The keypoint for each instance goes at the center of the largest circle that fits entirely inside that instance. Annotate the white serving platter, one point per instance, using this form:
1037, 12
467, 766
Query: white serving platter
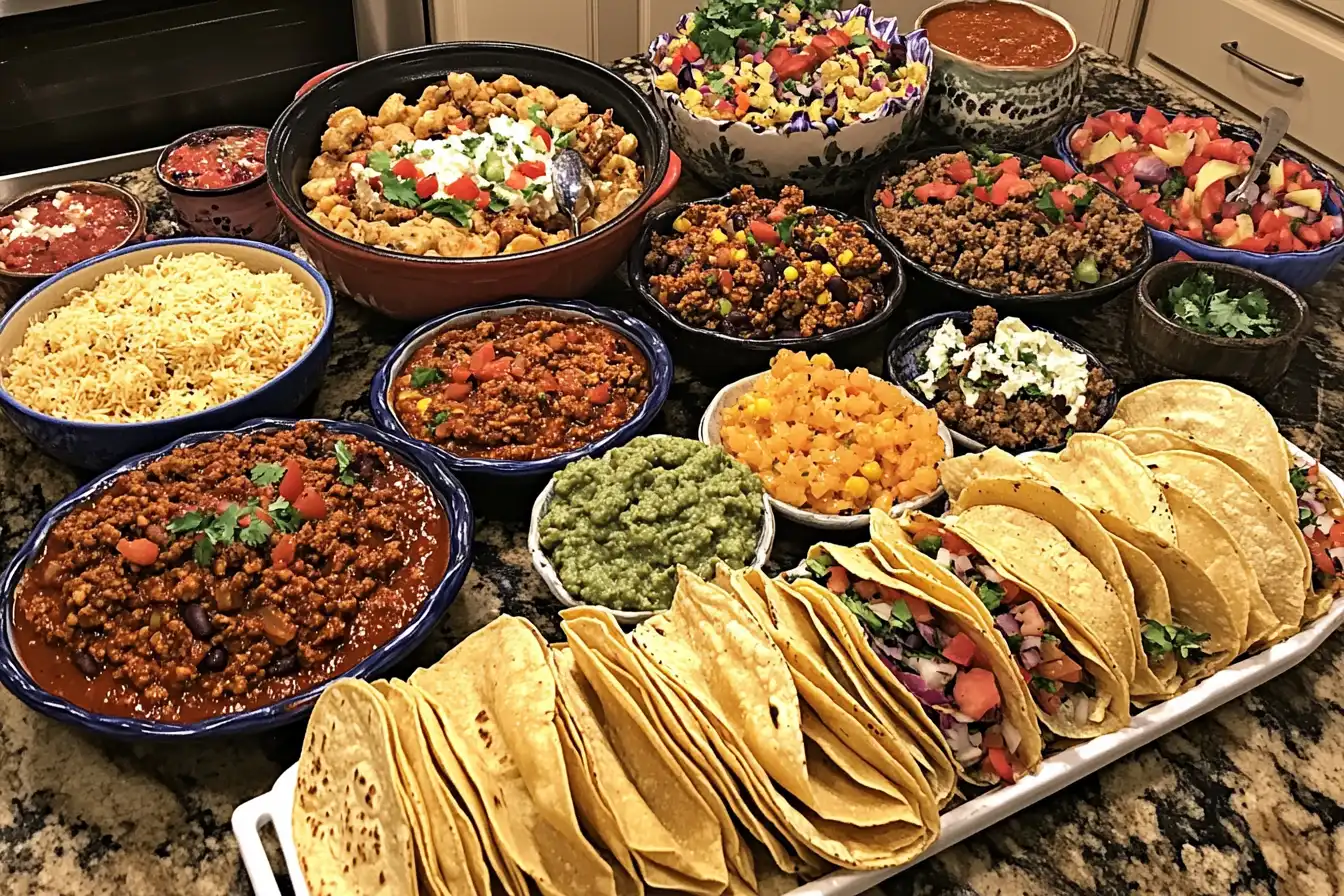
1056, 772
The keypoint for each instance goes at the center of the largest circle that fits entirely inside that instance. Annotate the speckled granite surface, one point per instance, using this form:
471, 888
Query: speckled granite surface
1249, 799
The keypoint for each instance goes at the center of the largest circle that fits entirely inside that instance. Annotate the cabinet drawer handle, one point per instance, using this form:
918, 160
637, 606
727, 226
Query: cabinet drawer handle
1230, 47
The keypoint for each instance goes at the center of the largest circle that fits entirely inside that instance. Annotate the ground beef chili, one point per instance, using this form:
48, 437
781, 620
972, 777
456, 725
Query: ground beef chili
759, 268
999, 225
52, 234
521, 387
167, 598
215, 162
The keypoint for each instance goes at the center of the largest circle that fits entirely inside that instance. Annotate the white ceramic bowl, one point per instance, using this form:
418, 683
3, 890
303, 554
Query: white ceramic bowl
765, 541
710, 435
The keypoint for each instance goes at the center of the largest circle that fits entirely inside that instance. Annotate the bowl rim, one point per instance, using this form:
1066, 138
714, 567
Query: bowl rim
638, 277
138, 224
322, 338
645, 338
812, 518
448, 491
656, 169
1288, 337
1074, 52
765, 543
1252, 136
929, 321
988, 297
219, 130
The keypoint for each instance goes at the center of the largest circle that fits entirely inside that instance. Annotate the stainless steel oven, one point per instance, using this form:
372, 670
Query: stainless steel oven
81, 79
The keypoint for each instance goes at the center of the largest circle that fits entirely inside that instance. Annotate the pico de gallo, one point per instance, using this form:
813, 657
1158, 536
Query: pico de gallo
52, 234
1318, 516
938, 663
214, 161
1054, 672
803, 64
1177, 173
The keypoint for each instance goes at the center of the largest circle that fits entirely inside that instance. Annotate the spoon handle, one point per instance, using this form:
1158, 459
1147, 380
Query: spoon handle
1273, 128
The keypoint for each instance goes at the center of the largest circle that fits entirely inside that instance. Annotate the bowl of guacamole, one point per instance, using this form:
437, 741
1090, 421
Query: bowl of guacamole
611, 530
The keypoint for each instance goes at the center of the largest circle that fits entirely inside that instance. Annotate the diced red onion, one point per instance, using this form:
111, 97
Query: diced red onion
1081, 706
1030, 657
1312, 216
1315, 506
921, 692
879, 83
1007, 623
936, 674
1308, 531
758, 57
990, 573
1325, 523
1012, 738
1031, 642
1150, 170
929, 634
962, 563
893, 652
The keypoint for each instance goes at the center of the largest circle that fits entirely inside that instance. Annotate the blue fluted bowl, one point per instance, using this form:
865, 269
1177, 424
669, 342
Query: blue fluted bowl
96, 446
449, 493
1297, 269
645, 338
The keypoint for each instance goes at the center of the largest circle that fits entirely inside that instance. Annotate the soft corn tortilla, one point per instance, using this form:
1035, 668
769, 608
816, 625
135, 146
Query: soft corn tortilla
1015, 700
352, 824
496, 695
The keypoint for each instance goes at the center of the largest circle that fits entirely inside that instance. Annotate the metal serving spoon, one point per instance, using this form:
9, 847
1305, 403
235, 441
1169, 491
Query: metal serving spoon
1273, 128
573, 185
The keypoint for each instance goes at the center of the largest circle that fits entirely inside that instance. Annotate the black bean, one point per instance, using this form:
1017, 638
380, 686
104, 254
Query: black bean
869, 303
86, 664
736, 318
738, 221
838, 288
674, 267
215, 660
198, 620
791, 334
283, 665
769, 270
818, 252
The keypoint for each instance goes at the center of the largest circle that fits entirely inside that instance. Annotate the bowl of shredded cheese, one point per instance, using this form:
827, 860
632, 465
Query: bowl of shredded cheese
133, 349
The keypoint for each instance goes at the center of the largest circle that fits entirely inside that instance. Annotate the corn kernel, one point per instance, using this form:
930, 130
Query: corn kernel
845, 257
422, 405
812, 266
824, 298
692, 98
829, 269
856, 488
739, 255
762, 406
718, 236
407, 393
665, 81
681, 225
790, 273
872, 471
740, 236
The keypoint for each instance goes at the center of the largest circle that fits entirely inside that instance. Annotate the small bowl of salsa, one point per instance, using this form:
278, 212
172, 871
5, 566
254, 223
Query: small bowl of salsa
1006, 72
216, 178
45, 231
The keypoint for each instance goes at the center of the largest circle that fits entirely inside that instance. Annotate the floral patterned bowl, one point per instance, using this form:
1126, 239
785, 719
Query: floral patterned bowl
824, 158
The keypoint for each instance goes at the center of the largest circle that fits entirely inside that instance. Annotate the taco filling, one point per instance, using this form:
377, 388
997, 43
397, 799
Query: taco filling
937, 662
1053, 670
1162, 638
1321, 528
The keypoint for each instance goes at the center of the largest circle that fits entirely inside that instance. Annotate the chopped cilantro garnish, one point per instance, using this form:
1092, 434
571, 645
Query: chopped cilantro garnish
458, 210
785, 229
284, 515
343, 460
873, 622
440, 417
929, 544
1298, 477
203, 552
266, 474
1160, 639
423, 376
255, 533
191, 521
1199, 305
1044, 684
990, 594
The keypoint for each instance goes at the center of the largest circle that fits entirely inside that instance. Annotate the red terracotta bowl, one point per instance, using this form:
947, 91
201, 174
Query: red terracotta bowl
411, 287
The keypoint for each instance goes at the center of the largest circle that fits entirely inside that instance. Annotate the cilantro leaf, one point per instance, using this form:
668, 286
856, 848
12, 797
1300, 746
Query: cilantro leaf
990, 594
1159, 639
222, 528
191, 521
871, 621
440, 417
284, 515
1047, 206
203, 552
343, 460
1044, 684
423, 376
266, 474
459, 210
1197, 304
1173, 186
785, 228
929, 544
255, 533
1298, 477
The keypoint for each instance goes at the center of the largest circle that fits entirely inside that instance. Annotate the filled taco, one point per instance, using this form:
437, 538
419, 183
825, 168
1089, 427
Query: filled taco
1319, 511
961, 674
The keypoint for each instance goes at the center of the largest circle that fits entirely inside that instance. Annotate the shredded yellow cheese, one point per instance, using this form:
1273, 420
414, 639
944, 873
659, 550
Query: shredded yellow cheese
173, 337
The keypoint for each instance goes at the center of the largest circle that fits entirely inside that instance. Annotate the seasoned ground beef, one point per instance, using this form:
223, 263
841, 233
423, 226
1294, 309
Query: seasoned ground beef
229, 574
1036, 235
756, 268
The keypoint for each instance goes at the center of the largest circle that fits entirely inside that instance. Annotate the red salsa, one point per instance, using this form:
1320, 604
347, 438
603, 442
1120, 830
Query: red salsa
215, 162
522, 387
229, 575
1000, 34
50, 235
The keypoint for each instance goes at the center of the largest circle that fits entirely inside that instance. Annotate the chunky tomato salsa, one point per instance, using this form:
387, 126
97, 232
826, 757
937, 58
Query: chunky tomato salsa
521, 387
1000, 34
215, 162
50, 235
229, 575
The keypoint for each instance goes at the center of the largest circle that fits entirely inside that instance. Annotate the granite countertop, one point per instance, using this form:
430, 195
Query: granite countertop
1248, 799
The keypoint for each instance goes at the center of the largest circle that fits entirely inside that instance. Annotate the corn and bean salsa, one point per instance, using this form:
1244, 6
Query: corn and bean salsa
757, 268
522, 387
230, 574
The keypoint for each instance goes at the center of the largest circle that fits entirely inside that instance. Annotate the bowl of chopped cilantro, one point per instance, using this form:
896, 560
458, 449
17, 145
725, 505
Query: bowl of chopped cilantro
1214, 321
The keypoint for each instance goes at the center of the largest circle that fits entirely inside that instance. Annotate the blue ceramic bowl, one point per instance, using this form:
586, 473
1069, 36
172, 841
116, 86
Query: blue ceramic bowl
96, 446
641, 334
904, 362
1297, 269
432, 471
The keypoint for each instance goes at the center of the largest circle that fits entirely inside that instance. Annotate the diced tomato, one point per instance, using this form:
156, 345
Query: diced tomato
1183, 123
1211, 203
838, 581
725, 280
763, 232
955, 544
1140, 201
1153, 215
1193, 164
531, 169
1336, 536
960, 649
1048, 702
823, 46
1097, 127
456, 391
1222, 149
777, 214
1308, 234
1324, 562
1129, 186
426, 187
494, 370
543, 135
1258, 213
1063, 201
547, 382
283, 553
1121, 122
866, 589
676, 63
406, 168
887, 198
1060, 670
311, 504
1194, 232
777, 56
981, 193
1011, 592
600, 394
1152, 136
1153, 118
1254, 244
482, 200
463, 188
795, 64
1080, 140
1059, 169
1209, 125
976, 692
839, 37
1244, 151
1125, 161
140, 551
460, 374
1182, 255
1108, 166
941, 191
998, 194
919, 609
1011, 165
1002, 765
960, 170
1224, 230
1292, 169
690, 51
1284, 241
483, 355
292, 484
516, 180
